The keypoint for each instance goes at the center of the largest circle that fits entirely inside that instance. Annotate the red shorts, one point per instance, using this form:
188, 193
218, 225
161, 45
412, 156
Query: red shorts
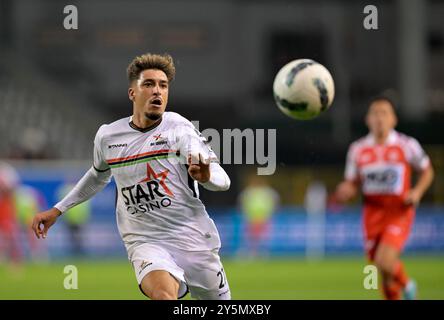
258, 230
391, 227
7, 215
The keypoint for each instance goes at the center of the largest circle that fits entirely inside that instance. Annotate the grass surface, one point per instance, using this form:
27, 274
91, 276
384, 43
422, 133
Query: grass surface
339, 278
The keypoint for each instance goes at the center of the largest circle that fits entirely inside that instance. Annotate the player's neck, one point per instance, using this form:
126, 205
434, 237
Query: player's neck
381, 138
143, 122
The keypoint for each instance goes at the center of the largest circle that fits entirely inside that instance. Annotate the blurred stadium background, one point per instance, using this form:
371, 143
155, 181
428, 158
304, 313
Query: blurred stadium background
58, 86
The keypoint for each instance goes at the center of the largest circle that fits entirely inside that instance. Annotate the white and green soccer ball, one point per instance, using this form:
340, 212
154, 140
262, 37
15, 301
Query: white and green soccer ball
303, 89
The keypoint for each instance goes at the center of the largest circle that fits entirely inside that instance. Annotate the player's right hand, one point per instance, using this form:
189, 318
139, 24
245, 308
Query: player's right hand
47, 219
199, 168
345, 191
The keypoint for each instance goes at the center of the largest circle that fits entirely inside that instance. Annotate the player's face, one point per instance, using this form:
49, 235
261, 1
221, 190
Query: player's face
150, 93
381, 118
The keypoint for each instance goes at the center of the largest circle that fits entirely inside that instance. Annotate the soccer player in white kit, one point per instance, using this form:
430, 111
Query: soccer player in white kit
157, 159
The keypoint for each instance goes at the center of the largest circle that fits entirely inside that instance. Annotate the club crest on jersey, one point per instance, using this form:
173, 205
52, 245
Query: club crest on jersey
149, 194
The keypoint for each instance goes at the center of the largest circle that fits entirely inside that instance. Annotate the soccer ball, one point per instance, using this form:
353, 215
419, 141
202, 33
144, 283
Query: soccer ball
303, 89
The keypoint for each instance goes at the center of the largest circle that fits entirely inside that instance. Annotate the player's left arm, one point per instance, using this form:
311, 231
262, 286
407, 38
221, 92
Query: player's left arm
349, 187
425, 179
420, 161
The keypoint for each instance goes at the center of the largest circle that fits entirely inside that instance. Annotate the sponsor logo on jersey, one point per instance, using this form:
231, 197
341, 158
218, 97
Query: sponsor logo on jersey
118, 145
158, 140
383, 179
149, 194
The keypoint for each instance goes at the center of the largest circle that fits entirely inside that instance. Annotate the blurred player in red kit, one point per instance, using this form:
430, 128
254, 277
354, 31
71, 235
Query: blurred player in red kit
380, 165
9, 231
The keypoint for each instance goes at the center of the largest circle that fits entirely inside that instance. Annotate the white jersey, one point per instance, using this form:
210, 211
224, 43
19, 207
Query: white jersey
157, 201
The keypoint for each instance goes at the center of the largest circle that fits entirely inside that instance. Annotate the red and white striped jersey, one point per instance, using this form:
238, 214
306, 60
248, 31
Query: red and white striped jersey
384, 170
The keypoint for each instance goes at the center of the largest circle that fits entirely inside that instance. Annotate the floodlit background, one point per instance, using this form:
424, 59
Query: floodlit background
58, 86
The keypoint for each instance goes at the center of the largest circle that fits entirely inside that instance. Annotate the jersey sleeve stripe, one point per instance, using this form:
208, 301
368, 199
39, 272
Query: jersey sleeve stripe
143, 159
139, 156
101, 170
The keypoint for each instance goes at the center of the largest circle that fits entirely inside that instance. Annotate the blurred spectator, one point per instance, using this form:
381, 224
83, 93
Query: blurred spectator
9, 231
258, 202
75, 219
33, 145
28, 202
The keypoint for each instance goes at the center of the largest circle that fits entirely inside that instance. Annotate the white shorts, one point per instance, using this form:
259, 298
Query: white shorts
200, 272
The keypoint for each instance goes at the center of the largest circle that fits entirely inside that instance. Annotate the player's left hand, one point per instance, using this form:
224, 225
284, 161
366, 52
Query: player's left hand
413, 197
199, 169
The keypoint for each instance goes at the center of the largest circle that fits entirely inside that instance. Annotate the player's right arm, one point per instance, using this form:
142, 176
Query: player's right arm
94, 180
349, 187
345, 191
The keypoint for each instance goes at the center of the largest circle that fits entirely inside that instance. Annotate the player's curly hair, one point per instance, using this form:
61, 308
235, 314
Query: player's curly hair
151, 61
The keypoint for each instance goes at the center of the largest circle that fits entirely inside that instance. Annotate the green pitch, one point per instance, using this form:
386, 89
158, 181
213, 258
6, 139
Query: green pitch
339, 278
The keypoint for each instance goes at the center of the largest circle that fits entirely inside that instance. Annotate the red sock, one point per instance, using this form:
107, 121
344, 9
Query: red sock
400, 275
392, 291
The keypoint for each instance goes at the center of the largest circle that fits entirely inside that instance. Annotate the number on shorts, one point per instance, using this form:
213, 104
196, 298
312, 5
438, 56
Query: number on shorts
221, 273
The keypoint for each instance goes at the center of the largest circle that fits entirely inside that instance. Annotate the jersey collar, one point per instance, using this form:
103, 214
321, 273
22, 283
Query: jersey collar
144, 130
391, 138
